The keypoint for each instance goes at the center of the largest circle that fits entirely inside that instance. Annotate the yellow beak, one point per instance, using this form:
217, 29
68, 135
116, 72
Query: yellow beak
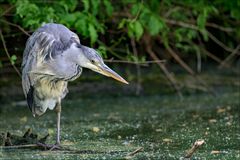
105, 70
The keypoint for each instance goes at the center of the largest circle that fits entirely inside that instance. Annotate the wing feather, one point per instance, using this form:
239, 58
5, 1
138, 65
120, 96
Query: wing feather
43, 46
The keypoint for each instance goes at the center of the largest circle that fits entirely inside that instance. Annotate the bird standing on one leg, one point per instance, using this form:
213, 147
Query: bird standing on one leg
54, 56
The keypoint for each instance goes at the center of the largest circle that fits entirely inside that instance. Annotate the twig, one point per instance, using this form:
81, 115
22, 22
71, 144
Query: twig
19, 146
131, 154
15, 25
179, 60
192, 26
194, 148
138, 13
168, 75
7, 10
219, 42
188, 69
224, 29
138, 88
182, 24
8, 55
38, 145
134, 63
199, 61
169, 12
110, 50
235, 51
208, 24
209, 54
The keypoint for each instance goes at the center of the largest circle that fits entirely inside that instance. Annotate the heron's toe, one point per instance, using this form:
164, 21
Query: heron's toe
50, 147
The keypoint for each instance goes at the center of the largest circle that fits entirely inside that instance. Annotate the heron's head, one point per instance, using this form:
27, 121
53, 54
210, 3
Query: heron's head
89, 58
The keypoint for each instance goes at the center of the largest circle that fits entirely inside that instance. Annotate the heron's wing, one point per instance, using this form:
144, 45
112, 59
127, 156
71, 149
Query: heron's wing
42, 47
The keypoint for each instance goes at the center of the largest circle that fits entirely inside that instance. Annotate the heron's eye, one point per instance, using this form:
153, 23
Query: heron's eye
92, 61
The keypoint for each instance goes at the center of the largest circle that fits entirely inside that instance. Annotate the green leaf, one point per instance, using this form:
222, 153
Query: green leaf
138, 29
98, 26
235, 13
71, 4
155, 25
143, 59
93, 33
95, 6
122, 23
204, 34
135, 29
86, 5
82, 27
178, 35
69, 19
102, 50
64, 5
201, 21
30, 13
135, 9
130, 27
191, 34
13, 59
109, 7
144, 16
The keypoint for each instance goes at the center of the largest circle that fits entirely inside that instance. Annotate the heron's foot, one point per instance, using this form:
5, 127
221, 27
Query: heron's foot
55, 147
50, 147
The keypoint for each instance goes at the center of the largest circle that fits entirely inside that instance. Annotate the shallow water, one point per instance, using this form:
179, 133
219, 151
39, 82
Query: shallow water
110, 128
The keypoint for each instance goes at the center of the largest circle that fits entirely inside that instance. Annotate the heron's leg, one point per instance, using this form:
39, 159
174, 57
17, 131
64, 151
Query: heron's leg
57, 145
58, 110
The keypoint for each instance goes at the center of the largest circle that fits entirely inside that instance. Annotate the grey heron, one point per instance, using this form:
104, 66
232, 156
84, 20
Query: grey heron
54, 56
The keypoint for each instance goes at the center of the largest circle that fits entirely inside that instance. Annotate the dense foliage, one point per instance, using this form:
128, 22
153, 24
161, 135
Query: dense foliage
135, 30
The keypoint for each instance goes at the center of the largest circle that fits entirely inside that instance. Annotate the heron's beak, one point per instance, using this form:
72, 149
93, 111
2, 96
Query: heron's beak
105, 70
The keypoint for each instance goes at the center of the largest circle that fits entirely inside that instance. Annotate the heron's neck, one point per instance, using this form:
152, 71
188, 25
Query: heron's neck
75, 55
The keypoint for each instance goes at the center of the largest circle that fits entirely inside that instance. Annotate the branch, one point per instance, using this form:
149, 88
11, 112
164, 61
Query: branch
15, 25
19, 146
194, 148
139, 88
192, 21
235, 51
209, 54
130, 155
8, 55
224, 29
7, 10
168, 75
138, 13
179, 60
182, 24
219, 42
187, 68
110, 49
172, 10
135, 63
194, 27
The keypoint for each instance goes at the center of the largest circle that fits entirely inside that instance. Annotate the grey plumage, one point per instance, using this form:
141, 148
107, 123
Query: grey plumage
54, 56
43, 72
